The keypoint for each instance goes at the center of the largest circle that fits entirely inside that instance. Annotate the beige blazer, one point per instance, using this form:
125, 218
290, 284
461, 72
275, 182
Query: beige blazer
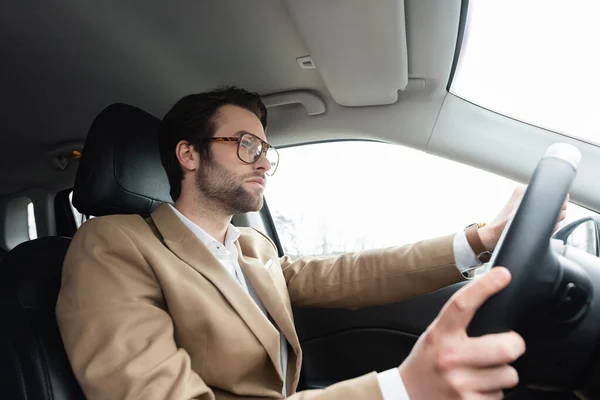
147, 312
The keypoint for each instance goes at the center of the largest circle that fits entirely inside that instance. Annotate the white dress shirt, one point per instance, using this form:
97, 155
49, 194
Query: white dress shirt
390, 382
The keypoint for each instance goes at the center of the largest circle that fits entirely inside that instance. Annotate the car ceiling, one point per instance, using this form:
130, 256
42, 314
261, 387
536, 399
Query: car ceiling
64, 61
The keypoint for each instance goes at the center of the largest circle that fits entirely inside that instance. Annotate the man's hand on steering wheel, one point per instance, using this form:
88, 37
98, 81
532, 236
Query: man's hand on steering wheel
446, 363
490, 234
467, 352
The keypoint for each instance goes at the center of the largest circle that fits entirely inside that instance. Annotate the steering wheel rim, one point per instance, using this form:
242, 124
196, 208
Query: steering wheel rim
548, 294
524, 246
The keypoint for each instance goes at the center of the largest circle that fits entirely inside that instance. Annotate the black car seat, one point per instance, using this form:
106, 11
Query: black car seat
119, 172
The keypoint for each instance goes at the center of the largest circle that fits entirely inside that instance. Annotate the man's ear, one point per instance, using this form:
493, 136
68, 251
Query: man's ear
188, 157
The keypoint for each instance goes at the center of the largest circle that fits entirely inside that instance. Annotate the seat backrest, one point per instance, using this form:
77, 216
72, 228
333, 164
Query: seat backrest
33, 362
119, 173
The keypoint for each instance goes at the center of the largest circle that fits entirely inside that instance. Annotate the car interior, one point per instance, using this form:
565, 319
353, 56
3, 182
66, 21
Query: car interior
86, 84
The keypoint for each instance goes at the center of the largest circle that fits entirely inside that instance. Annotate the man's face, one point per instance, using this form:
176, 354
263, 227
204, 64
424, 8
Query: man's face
236, 186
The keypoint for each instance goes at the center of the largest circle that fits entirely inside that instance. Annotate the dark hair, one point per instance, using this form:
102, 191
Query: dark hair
193, 118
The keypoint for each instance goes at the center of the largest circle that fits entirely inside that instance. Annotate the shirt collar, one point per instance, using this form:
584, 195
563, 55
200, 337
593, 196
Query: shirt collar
213, 244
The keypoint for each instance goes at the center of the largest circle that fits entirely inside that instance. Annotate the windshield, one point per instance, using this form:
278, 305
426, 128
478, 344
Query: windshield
536, 61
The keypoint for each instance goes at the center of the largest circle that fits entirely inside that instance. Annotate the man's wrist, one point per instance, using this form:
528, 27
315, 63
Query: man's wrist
476, 234
489, 236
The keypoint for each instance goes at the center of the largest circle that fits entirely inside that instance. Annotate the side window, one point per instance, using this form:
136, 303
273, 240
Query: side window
19, 222
336, 197
79, 217
584, 238
31, 221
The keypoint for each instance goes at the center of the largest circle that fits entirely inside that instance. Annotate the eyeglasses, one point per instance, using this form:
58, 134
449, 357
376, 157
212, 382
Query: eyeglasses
250, 148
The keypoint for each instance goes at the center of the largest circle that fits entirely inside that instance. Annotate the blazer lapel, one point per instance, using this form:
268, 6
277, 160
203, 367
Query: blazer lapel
183, 243
263, 283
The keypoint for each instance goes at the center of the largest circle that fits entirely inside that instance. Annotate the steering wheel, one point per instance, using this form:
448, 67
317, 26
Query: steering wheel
550, 300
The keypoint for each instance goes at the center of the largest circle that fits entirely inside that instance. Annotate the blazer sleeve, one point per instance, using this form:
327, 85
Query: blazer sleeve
374, 277
114, 322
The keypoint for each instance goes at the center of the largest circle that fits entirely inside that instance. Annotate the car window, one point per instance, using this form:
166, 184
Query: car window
335, 197
31, 221
531, 60
79, 218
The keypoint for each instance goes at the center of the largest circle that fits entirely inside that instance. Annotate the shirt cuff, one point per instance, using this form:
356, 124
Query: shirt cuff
391, 385
464, 255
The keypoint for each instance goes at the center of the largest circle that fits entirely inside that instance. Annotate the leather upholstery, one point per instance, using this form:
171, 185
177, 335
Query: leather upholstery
119, 173
120, 170
33, 362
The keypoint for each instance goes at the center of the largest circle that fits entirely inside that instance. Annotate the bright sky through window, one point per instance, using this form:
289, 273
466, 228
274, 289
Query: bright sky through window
536, 61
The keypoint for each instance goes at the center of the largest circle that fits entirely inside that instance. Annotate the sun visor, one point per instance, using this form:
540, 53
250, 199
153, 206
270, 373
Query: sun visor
358, 47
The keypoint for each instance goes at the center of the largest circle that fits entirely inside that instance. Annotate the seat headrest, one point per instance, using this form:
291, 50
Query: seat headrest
120, 170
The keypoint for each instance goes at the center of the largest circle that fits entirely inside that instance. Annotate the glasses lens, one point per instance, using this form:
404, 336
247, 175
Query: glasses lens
273, 157
249, 148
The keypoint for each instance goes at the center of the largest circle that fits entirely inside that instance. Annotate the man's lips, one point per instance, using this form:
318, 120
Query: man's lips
259, 181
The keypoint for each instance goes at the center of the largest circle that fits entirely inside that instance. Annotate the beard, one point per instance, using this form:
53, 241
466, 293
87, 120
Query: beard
226, 190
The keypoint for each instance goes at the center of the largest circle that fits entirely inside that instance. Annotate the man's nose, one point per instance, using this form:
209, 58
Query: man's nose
263, 163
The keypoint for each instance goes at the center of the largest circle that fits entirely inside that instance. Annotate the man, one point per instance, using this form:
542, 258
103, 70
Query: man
183, 305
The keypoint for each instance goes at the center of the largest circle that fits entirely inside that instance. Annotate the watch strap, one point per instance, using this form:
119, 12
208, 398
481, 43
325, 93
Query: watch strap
474, 240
